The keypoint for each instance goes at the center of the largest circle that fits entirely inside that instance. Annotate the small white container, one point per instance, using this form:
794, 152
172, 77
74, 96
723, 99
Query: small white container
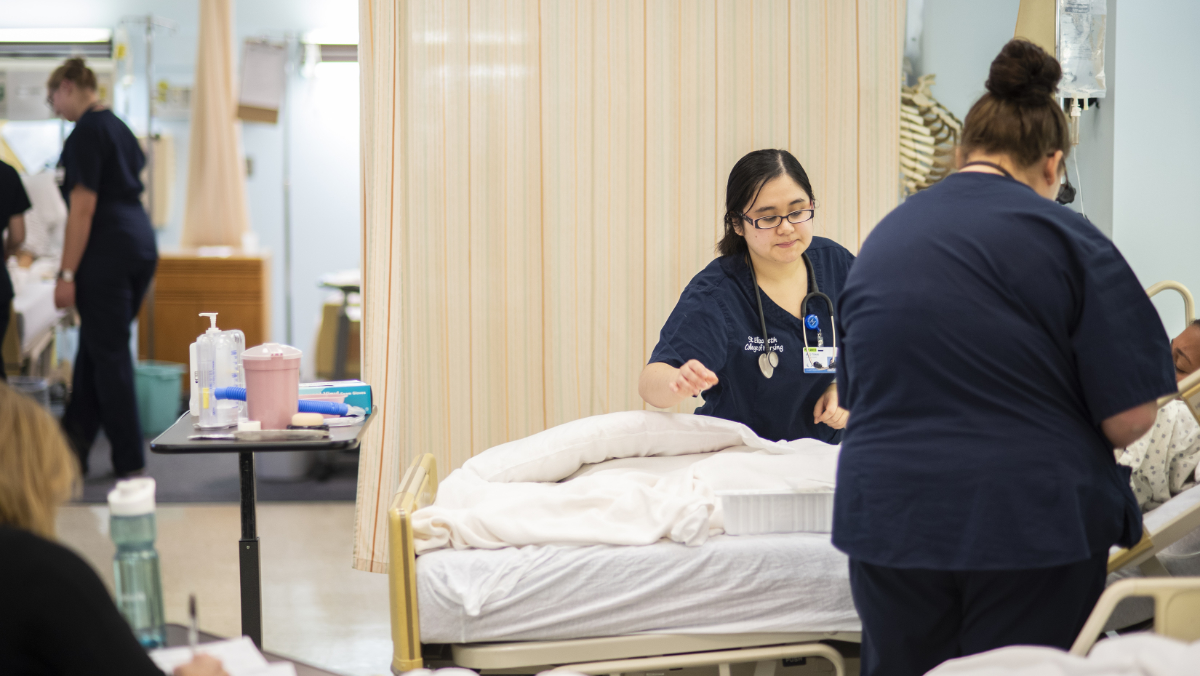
751, 512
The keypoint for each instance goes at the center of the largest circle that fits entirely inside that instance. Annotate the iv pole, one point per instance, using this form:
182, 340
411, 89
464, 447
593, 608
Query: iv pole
289, 67
150, 22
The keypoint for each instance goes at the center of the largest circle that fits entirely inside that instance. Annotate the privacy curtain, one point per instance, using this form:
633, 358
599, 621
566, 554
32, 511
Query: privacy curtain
542, 178
215, 207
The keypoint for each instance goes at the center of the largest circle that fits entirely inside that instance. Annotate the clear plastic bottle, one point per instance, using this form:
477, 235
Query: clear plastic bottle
234, 373
206, 374
136, 573
219, 364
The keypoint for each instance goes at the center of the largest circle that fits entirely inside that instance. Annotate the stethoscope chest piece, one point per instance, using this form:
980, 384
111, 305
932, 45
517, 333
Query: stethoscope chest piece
767, 362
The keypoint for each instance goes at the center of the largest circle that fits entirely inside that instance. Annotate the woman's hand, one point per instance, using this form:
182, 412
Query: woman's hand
828, 411
201, 665
662, 385
64, 294
692, 379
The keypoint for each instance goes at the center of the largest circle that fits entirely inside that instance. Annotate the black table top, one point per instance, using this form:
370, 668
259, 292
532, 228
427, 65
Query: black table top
175, 440
177, 636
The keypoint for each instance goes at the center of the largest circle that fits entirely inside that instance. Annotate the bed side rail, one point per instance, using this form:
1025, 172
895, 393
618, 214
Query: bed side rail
1189, 304
417, 489
1153, 542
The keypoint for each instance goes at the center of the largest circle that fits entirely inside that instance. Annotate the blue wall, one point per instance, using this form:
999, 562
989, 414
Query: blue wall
324, 149
958, 42
1155, 177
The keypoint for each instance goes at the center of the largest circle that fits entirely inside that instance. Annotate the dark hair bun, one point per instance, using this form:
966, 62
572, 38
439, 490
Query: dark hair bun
1023, 73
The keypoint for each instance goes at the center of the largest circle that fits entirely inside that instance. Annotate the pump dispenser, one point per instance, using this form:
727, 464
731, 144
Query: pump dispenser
218, 364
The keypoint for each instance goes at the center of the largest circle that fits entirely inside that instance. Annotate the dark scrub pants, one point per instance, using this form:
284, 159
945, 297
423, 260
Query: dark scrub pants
117, 266
102, 391
987, 332
13, 200
916, 618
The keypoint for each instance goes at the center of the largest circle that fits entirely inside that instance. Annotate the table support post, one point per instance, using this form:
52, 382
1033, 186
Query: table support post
248, 558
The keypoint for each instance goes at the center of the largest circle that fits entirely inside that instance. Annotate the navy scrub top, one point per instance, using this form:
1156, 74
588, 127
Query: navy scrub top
13, 201
102, 155
987, 332
716, 322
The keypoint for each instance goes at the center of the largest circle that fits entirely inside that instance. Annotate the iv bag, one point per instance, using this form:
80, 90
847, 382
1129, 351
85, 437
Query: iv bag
1081, 27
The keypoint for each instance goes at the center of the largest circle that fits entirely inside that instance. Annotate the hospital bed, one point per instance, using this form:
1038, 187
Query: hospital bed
590, 628
602, 637
34, 318
1170, 544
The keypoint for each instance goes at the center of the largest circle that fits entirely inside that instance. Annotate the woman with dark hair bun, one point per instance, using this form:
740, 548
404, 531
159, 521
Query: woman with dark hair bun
997, 347
740, 330
108, 259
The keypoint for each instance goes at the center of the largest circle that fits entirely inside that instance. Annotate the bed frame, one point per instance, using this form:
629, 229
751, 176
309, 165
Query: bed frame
660, 652
606, 655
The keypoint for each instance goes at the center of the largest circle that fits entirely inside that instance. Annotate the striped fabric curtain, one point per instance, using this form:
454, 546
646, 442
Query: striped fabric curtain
542, 178
214, 211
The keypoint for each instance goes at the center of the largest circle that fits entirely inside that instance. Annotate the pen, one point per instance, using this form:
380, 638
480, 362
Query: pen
193, 632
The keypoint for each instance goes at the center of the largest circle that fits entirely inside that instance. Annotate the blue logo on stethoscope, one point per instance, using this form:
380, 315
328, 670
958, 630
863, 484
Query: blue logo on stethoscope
811, 321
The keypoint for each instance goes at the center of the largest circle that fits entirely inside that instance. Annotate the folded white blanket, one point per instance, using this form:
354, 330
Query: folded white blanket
636, 477
1132, 655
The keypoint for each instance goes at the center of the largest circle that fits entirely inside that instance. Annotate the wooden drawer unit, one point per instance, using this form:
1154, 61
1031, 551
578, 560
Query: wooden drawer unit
236, 288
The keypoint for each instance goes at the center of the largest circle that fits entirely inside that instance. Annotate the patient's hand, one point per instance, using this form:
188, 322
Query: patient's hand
201, 665
828, 411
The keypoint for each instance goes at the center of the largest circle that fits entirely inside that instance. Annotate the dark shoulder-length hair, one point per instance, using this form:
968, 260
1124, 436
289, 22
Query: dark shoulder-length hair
746, 179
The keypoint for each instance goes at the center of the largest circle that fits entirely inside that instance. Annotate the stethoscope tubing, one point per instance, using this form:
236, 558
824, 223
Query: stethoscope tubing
812, 283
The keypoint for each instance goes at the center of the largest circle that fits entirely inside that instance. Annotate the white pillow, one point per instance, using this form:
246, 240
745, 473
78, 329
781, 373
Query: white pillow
558, 452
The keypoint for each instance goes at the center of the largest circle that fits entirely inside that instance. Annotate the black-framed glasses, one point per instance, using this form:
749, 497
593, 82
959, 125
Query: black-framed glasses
769, 222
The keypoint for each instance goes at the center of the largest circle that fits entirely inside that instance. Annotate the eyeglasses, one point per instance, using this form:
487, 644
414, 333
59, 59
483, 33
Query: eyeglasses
769, 222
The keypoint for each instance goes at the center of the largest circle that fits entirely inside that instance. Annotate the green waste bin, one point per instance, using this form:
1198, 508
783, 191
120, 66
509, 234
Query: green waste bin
158, 386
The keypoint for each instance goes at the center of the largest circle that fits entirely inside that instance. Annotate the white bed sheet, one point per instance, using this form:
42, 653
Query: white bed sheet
794, 582
34, 302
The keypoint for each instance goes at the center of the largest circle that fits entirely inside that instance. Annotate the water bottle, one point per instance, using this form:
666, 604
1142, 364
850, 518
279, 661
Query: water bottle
135, 566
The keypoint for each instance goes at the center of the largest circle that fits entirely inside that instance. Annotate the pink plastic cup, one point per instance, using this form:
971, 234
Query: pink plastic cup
272, 384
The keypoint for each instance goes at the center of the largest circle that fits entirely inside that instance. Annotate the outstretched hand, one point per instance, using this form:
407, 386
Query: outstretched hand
692, 379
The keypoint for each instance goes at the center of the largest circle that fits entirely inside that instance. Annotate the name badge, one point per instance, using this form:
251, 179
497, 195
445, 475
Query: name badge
820, 360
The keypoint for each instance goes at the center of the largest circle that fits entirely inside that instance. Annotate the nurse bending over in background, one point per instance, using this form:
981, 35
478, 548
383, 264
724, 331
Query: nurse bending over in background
997, 348
740, 330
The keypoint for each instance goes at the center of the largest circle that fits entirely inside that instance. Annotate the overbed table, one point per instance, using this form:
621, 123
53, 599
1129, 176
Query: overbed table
175, 440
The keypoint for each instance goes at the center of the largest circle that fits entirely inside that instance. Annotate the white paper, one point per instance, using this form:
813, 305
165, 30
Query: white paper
262, 75
238, 657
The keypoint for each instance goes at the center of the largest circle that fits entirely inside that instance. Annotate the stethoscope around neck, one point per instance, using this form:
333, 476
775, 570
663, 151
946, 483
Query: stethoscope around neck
768, 361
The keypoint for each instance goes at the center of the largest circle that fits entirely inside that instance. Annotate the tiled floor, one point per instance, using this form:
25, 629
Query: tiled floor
316, 608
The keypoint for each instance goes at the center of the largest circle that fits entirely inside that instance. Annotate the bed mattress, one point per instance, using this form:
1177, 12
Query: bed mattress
793, 582
35, 306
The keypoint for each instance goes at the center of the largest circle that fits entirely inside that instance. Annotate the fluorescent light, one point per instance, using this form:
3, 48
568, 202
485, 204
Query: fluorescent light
55, 35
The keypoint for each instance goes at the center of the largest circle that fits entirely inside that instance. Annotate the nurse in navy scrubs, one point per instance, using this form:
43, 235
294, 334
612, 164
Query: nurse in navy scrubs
997, 347
109, 257
739, 331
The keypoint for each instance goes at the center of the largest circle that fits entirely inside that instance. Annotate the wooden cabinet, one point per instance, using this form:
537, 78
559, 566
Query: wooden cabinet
235, 287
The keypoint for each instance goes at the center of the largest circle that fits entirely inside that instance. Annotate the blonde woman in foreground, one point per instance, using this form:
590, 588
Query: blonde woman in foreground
57, 616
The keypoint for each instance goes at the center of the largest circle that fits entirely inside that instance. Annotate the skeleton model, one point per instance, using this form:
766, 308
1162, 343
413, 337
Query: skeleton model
928, 135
